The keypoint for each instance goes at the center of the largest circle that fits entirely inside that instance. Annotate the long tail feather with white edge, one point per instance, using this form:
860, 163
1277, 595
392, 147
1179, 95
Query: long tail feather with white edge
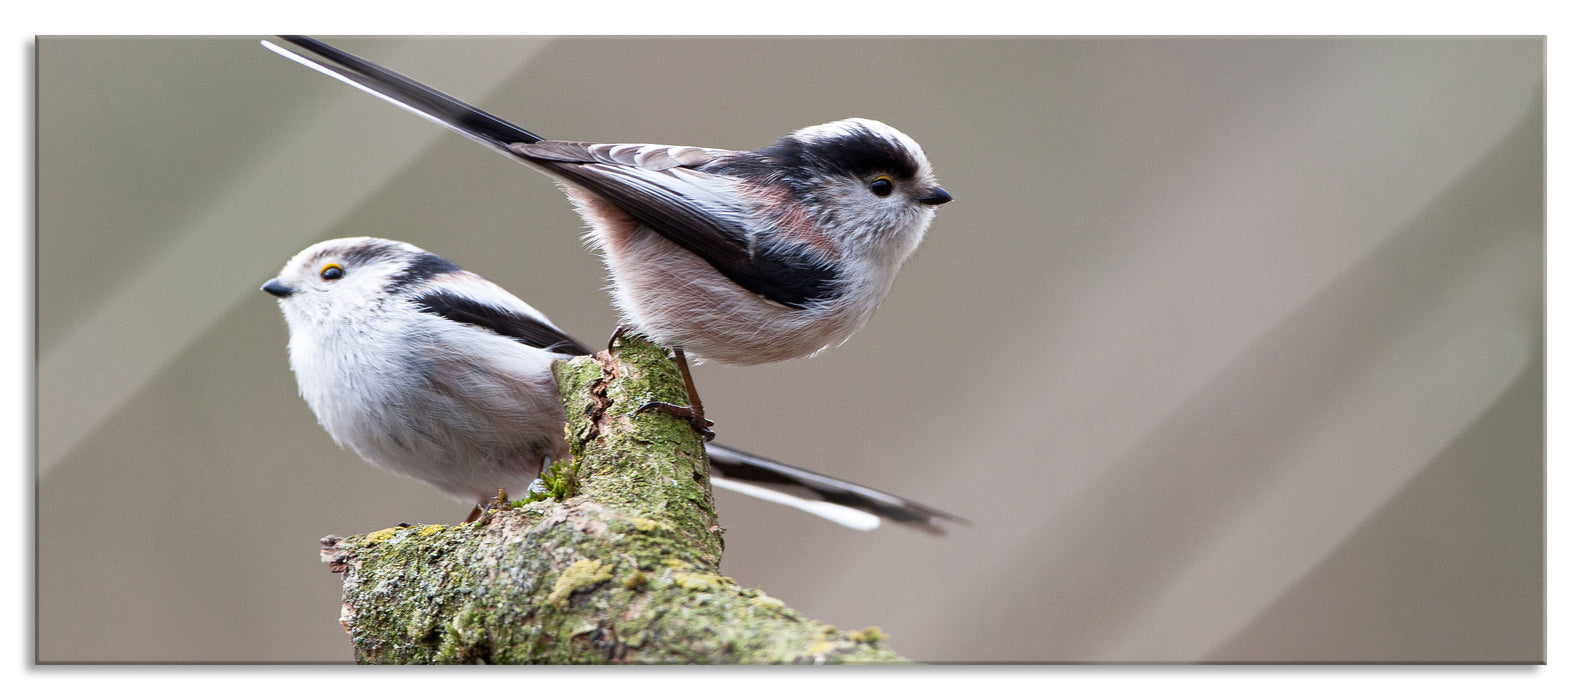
408, 94
843, 502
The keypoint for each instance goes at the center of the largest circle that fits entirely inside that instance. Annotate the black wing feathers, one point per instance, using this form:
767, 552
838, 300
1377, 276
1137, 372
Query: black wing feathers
519, 327
797, 280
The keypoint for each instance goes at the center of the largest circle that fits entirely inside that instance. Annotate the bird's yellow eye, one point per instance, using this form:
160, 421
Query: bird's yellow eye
331, 272
882, 186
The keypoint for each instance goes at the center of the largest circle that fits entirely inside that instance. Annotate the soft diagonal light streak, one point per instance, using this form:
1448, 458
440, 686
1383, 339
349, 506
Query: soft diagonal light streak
262, 220
1432, 386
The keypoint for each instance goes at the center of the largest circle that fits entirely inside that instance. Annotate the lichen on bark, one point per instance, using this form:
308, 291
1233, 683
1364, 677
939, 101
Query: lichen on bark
626, 570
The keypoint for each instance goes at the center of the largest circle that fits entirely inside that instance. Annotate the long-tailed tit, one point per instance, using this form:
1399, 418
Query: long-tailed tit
742, 257
434, 372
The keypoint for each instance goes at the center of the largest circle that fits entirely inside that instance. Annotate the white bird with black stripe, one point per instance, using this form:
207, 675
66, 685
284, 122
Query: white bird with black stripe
742, 257
431, 371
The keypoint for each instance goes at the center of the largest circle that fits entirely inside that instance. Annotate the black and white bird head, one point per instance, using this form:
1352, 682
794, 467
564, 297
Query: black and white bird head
859, 179
346, 278
356, 283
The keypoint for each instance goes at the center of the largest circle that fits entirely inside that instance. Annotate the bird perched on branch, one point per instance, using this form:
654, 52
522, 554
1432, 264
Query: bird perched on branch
742, 257
431, 371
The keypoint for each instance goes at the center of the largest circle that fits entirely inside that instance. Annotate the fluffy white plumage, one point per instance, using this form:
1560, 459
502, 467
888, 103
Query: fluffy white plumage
436, 373
455, 405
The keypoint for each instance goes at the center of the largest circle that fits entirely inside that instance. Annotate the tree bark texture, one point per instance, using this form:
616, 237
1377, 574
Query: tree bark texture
624, 570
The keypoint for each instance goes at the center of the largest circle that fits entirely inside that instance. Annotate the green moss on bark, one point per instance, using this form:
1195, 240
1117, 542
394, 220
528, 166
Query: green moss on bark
625, 570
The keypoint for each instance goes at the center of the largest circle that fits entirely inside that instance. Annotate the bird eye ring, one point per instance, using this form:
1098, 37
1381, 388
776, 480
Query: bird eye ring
332, 272
882, 186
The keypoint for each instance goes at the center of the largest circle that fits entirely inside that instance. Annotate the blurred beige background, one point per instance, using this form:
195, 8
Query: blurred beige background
1231, 349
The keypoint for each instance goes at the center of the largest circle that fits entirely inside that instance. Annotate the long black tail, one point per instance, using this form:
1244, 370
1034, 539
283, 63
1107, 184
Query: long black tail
843, 502
410, 94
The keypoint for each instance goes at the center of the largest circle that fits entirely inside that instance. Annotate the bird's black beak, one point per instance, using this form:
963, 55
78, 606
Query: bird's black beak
277, 288
936, 197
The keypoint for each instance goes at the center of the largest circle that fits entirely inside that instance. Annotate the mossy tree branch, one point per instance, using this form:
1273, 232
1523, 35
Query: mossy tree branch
625, 570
